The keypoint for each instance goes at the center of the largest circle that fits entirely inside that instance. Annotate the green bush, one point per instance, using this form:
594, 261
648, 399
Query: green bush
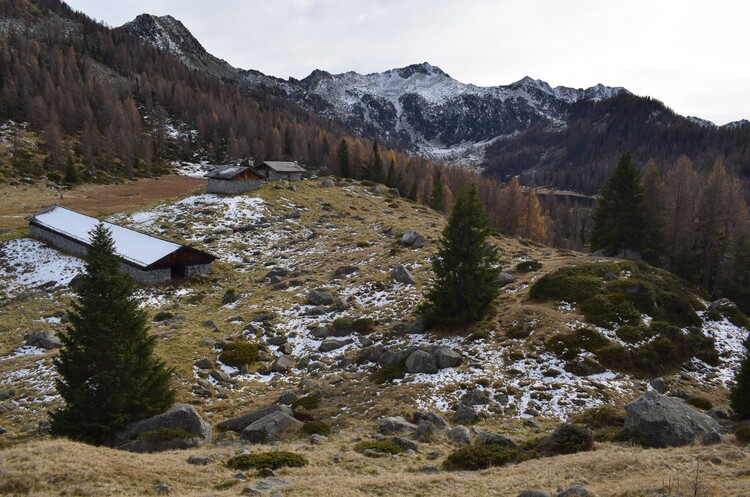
676, 308
742, 434
389, 372
573, 283
363, 325
631, 334
271, 460
316, 428
518, 331
342, 325
699, 402
163, 316
236, 354
164, 435
383, 446
528, 266
567, 438
600, 417
308, 402
569, 344
610, 310
637, 292
476, 457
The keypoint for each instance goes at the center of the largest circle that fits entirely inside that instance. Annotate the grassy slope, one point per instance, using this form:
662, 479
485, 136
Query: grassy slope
353, 237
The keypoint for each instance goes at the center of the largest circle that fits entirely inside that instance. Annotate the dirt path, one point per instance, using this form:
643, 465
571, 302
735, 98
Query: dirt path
17, 202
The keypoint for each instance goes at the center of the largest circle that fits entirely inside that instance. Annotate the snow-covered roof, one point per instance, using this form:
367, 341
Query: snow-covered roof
226, 172
134, 247
284, 167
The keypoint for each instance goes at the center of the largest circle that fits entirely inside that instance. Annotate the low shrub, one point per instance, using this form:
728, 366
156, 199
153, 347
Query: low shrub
476, 457
518, 331
631, 334
528, 266
316, 428
271, 460
569, 344
363, 325
389, 372
343, 325
308, 402
638, 292
573, 283
163, 316
677, 308
699, 402
382, 446
610, 310
238, 353
600, 417
742, 434
567, 438
164, 435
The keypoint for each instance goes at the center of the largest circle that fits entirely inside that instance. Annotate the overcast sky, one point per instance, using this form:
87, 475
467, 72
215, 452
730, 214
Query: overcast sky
691, 55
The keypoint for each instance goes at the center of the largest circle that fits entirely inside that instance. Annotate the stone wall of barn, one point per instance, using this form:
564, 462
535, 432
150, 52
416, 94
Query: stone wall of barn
232, 187
197, 270
60, 242
152, 277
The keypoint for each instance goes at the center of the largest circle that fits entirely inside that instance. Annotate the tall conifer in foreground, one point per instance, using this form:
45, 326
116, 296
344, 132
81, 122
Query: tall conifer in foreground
739, 396
108, 376
619, 218
465, 266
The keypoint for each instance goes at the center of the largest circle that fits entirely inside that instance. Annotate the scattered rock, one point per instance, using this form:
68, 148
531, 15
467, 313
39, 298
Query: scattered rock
446, 357
717, 413
429, 469
664, 421
396, 424
392, 356
162, 489
320, 297
417, 327
239, 423
659, 384
438, 421
45, 427
286, 348
459, 434
326, 183
268, 427
267, 485
465, 414
7, 392
370, 354
45, 339
179, 416
576, 491
221, 376
286, 398
230, 298
534, 493
504, 278
421, 362
199, 460
316, 439
404, 443
412, 239
401, 274
204, 363
475, 397
489, 438
345, 270
282, 364
329, 345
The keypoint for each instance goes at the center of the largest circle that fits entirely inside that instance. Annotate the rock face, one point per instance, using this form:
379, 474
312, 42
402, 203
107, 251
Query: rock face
179, 416
268, 427
239, 423
401, 274
421, 362
397, 424
667, 421
44, 339
320, 297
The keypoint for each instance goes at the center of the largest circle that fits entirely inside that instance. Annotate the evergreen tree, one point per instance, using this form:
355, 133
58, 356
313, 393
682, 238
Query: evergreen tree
465, 265
619, 218
376, 173
437, 198
739, 396
108, 376
342, 158
390, 179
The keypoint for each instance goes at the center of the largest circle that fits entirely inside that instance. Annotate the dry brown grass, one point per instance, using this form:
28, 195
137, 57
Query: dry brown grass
58, 467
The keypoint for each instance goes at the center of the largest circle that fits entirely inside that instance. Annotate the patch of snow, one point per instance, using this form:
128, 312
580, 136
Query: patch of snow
26, 263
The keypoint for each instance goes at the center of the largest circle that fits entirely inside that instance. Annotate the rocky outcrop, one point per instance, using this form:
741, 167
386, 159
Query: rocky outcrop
664, 421
153, 434
239, 423
267, 428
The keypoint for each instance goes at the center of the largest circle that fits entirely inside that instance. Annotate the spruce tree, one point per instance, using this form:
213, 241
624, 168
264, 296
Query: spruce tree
654, 219
108, 376
342, 158
619, 218
376, 172
739, 396
437, 198
465, 266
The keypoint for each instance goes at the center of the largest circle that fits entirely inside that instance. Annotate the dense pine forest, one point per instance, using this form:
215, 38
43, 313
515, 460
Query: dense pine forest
83, 102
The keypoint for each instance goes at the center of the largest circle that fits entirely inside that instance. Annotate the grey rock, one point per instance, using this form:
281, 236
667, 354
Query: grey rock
371, 353
7, 392
326, 183
504, 278
204, 363
45, 427
282, 364
401, 274
286, 398
267, 485
717, 413
575, 491
659, 384
489, 438
417, 327
345, 270
438, 421
530, 423
286, 348
584, 366
392, 356
277, 340
239, 423
320, 297
179, 416
199, 460
221, 376
475, 397
230, 298
395, 424
266, 472
446, 357
465, 414
429, 469
421, 362
609, 276
459, 434
404, 443
330, 345
712, 438
665, 421
44, 339
425, 430
412, 239
268, 427
3, 430
534, 492
316, 439
162, 489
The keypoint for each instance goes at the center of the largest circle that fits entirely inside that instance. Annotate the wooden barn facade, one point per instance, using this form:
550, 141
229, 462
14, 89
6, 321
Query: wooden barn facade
144, 258
290, 171
231, 180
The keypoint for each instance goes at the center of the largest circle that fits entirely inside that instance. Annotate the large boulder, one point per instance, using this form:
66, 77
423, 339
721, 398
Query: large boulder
282, 364
664, 421
45, 339
446, 357
396, 424
148, 435
413, 239
268, 427
400, 274
320, 296
239, 423
421, 362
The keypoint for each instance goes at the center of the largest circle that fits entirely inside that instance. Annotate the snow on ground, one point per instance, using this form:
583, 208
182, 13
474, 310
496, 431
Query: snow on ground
27, 263
192, 169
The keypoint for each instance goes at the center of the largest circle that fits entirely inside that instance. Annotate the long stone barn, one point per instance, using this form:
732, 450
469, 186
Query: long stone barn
145, 258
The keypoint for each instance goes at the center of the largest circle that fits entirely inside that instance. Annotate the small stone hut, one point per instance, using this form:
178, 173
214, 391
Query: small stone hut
290, 171
231, 180
145, 258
